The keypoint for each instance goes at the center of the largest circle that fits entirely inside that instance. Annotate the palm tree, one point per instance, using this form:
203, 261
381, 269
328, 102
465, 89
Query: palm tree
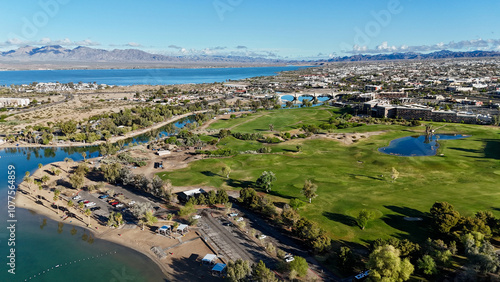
148, 219
38, 184
70, 204
28, 179
67, 161
44, 179
81, 205
88, 213
84, 155
55, 198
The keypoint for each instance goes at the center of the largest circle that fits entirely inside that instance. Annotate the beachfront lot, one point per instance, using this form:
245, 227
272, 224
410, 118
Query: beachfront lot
183, 253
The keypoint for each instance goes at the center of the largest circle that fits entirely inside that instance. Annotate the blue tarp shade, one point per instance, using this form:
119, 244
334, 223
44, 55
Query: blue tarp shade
219, 267
165, 227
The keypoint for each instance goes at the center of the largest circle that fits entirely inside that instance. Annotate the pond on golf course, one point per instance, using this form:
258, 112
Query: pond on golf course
418, 146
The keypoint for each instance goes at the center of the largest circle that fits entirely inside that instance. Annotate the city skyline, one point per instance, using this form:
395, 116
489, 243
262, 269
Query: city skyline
279, 29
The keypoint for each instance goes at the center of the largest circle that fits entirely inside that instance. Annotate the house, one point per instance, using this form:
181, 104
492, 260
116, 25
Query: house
185, 195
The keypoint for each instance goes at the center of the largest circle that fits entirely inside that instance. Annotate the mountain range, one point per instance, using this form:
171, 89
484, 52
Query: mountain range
55, 54
444, 54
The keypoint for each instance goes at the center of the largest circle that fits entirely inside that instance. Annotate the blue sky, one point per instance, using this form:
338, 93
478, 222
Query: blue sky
278, 28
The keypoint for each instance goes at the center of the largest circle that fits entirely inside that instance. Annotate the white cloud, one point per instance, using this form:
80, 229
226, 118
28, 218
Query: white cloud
16, 42
133, 44
467, 45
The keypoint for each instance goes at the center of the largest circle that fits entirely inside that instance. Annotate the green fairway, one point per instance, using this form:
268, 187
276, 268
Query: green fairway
355, 177
283, 120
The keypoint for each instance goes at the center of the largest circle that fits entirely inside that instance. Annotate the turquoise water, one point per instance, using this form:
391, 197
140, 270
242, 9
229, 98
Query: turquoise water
62, 252
138, 76
40, 248
417, 146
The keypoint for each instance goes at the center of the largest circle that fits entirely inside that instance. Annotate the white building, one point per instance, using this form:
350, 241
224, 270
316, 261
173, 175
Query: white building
14, 102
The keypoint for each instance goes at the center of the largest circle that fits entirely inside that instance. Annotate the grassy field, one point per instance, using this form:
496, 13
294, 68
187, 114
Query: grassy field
355, 177
283, 120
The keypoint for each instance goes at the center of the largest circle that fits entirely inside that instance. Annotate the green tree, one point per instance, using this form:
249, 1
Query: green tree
266, 180
363, 217
148, 219
386, 265
299, 264
70, 204
56, 199
222, 197
40, 166
346, 261
68, 127
309, 190
263, 274
238, 270
45, 178
427, 265
444, 217
81, 205
187, 210
296, 204
77, 181
111, 171
394, 174
84, 155
226, 170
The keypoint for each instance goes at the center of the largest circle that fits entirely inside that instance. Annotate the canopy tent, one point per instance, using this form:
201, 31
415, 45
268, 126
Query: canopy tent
183, 228
209, 258
165, 229
219, 267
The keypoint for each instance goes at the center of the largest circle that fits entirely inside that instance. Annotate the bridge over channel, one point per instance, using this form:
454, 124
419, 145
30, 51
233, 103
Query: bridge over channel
311, 95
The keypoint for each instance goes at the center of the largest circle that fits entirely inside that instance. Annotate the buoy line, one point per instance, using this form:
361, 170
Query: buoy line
68, 263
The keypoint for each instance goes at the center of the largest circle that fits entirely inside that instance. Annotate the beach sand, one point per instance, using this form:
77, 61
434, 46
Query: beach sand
180, 260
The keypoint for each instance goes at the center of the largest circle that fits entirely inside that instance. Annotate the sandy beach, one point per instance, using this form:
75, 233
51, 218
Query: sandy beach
179, 261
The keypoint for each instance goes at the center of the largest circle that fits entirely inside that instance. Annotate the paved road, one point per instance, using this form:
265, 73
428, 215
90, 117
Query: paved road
284, 242
232, 242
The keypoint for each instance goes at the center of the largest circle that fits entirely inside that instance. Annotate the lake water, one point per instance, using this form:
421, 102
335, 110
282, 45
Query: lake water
41, 244
139, 76
417, 146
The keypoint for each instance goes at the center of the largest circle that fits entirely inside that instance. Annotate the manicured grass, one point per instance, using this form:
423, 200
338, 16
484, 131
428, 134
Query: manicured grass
283, 120
355, 177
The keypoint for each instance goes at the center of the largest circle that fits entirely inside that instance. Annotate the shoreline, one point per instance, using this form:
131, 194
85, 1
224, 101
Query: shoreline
103, 233
48, 66
112, 140
132, 237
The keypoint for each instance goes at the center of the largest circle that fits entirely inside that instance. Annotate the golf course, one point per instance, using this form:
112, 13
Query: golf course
352, 176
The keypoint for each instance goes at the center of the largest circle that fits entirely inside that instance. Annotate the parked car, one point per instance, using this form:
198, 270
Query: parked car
240, 219
289, 258
233, 214
95, 208
86, 201
103, 196
196, 216
114, 203
119, 205
262, 236
90, 204
77, 197
131, 203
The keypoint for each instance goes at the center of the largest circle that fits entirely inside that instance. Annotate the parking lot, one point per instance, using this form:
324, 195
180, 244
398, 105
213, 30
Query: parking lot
231, 243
